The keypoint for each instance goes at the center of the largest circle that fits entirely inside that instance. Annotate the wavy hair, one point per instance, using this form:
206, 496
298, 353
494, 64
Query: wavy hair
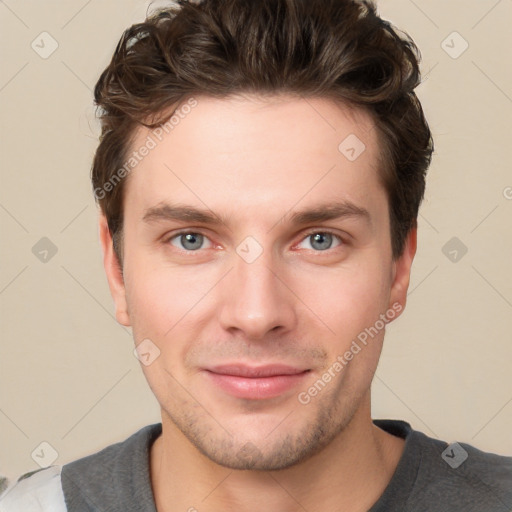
336, 49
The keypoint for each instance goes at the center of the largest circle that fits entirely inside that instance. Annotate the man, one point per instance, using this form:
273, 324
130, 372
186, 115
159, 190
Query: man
259, 175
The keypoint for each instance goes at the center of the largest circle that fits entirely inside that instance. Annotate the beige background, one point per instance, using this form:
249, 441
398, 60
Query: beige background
68, 374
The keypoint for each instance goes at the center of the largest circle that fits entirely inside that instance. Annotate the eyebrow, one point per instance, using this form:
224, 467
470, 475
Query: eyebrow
320, 213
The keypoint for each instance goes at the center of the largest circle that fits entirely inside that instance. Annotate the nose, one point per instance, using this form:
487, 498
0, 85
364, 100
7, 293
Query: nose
256, 299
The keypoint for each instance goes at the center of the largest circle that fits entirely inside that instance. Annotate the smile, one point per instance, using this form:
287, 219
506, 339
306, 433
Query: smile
256, 383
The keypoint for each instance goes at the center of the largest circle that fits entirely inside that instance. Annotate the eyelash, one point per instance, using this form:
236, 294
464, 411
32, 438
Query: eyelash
343, 241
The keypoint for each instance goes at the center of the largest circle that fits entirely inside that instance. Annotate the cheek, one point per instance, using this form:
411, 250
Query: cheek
150, 299
162, 300
349, 298
352, 310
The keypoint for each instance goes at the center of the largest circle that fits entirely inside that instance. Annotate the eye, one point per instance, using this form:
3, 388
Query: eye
322, 240
189, 241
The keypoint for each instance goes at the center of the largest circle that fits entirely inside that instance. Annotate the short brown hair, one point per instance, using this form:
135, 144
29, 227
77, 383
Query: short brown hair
337, 49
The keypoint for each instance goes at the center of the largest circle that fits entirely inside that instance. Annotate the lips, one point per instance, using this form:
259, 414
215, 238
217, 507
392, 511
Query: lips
270, 370
255, 382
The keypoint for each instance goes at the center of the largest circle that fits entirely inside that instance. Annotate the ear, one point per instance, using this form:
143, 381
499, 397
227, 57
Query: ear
402, 271
113, 272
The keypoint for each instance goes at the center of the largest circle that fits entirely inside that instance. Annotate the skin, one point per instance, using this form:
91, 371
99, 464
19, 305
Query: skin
254, 162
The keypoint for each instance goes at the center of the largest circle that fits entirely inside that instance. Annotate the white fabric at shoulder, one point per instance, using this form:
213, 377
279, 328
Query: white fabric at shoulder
40, 492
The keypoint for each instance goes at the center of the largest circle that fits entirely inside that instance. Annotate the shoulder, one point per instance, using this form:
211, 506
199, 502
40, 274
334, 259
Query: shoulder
35, 492
115, 456
446, 477
87, 482
462, 474
116, 477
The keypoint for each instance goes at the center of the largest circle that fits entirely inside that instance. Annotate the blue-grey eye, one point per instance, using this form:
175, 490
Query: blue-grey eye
188, 241
321, 241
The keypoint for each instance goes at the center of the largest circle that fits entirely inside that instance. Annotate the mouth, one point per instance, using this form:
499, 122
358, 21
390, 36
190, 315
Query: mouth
256, 382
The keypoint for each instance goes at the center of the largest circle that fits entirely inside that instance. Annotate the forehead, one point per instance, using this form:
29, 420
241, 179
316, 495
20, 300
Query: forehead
255, 150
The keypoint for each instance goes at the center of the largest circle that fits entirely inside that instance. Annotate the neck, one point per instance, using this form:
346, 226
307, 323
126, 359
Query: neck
349, 474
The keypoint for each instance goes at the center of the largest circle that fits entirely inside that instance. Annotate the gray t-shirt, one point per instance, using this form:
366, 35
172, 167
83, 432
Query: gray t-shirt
431, 476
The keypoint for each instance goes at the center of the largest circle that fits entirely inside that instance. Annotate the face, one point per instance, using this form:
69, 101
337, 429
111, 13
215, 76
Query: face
258, 274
